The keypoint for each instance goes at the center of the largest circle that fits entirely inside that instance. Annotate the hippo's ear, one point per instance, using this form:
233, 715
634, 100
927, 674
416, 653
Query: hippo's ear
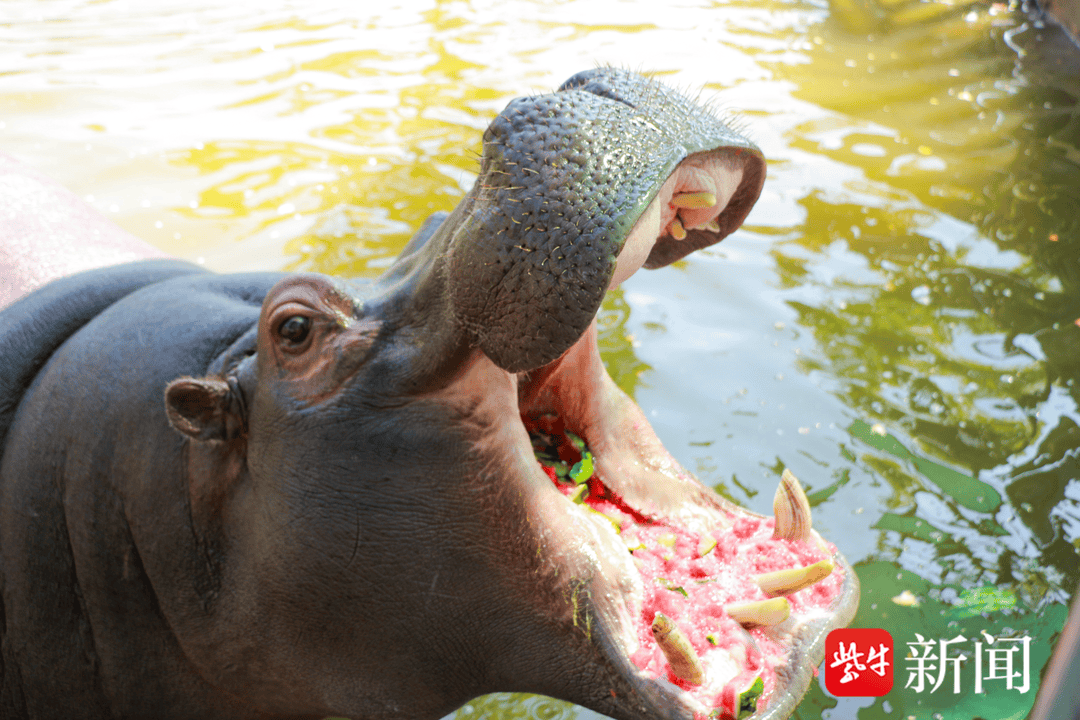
204, 409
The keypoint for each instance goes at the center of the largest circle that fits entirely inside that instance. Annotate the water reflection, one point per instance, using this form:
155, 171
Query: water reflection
948, 271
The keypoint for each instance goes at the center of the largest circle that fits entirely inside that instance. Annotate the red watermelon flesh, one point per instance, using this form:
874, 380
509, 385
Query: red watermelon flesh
690, 577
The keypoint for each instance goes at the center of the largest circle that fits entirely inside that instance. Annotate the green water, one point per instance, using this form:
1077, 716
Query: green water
896, 322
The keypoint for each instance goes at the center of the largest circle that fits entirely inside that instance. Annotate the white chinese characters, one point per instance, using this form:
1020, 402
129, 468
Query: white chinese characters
929, 663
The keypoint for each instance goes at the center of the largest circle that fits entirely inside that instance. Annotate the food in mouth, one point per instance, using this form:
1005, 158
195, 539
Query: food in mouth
715, 602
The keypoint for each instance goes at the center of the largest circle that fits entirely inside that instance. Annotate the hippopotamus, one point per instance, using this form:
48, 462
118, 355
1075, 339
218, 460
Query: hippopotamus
271, 495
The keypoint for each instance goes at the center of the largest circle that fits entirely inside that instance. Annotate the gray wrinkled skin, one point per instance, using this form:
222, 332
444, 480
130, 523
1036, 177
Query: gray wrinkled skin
564, 177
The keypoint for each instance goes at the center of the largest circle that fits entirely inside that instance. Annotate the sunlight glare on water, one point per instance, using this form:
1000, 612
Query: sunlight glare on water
897, 321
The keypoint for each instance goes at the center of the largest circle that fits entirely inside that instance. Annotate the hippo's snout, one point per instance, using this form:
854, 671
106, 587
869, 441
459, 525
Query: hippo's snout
579, 188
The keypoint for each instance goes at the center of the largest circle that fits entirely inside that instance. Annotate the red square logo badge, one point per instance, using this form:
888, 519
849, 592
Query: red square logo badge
858, 662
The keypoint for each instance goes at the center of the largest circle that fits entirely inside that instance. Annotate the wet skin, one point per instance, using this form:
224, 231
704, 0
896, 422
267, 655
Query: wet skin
262, 495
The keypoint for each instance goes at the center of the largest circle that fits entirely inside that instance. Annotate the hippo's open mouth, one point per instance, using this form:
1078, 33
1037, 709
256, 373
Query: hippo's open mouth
721, 612
700, 607
338, 509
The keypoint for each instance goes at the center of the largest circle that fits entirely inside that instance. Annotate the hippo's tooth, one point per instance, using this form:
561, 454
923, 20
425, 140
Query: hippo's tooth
694, 200
676, 647
579, 494
713, 226
792, 510
759, 612
785, 582
677, 230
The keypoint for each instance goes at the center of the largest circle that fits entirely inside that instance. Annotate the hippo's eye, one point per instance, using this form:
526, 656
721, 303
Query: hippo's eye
295, 329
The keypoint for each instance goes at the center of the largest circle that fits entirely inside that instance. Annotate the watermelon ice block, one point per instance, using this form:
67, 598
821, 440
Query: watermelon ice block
719, 603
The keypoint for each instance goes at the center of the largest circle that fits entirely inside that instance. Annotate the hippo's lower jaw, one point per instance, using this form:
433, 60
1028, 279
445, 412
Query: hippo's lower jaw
651, 539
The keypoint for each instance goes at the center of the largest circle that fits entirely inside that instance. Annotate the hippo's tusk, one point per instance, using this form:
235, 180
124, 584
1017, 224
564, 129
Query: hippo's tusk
785, 582
694, 200
759, 612
677, 230
713, 226
676, 646
792, 510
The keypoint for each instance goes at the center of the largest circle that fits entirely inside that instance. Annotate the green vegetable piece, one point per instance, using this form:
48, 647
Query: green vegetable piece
579, 494
712, 639
748, 698
576, 441
669, 585
614, 521
561, 470
583, 470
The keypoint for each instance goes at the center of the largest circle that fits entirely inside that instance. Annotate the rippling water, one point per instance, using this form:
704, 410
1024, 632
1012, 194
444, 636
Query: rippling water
897, 321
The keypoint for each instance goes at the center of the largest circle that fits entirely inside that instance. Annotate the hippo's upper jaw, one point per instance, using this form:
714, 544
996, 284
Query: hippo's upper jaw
610, 166
351, 520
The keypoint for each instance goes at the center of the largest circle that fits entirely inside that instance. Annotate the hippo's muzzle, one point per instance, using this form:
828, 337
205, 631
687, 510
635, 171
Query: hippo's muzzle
577, 190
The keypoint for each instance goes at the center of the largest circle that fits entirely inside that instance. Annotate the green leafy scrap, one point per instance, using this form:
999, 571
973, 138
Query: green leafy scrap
669, 585
546, 450
583, 469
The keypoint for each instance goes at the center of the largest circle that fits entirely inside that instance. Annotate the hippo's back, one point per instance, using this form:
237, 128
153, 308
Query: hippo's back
33, 327
86, 458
